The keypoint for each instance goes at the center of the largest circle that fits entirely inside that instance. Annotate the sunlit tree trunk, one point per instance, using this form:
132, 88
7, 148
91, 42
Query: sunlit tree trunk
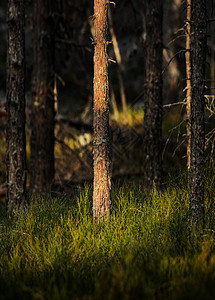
153, 96
188, 75
101, 146
42, 108
197, 159
15, 106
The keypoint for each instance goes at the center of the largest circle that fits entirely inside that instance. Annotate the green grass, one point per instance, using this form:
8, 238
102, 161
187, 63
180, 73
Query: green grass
53, 250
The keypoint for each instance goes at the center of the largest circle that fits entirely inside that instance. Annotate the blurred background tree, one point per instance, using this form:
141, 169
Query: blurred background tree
43, 96
73, 76
15, 106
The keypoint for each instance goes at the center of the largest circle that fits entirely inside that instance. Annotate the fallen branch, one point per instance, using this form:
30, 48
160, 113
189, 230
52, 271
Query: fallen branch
82, 162
74, 181
73, 122
72, 43
173, 104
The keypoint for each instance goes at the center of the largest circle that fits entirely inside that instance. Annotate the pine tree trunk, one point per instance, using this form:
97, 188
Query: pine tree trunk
188, 74
101, 143
153, 96
42, 114
197, 161
15, 135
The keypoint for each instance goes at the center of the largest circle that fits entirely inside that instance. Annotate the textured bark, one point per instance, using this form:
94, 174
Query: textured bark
188, 81
15, 106
197, 161
101, 143
42, 114
153, 96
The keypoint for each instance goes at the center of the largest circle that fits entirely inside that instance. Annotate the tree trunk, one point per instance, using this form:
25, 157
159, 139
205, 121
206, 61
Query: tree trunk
172, 22
42, 114
114, 104
119, 68
101, 143
153, 96
197, 161
188, 81
15, 106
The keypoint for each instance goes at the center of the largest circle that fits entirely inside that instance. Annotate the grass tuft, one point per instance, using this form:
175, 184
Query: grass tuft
53, 250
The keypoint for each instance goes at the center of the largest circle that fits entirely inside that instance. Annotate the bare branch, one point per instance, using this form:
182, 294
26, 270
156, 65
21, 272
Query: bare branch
178, 53
82, 162
174, 104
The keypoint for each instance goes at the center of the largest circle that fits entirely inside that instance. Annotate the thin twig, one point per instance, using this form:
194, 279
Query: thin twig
167, 141
174, 104
178, 53
179, 145
83, 162
176, 38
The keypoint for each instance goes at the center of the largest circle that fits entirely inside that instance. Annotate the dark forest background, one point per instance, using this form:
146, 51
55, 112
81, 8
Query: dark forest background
74, 77
157, 242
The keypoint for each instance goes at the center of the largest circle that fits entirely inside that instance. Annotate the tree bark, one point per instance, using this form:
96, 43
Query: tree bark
153, 96
15, 106
101, 143
188, 81
42, 114
197, 161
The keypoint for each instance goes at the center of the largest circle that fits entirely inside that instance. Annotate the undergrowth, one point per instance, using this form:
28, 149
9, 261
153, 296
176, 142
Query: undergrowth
52, 250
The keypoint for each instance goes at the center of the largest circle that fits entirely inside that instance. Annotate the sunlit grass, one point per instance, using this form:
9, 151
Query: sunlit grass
53, 250
135, 117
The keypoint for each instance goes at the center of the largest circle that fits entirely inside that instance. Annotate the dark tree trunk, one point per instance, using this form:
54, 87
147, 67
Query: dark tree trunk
15, 137
153, 96
188, 81
197, 160
42, 114
101, 148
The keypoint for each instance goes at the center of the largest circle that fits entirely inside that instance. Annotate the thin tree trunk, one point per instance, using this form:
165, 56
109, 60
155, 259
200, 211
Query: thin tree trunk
153, 96
188, 81
101, 148
114, 104
15, 106
42, 114
172, 20
119, 70
197, 159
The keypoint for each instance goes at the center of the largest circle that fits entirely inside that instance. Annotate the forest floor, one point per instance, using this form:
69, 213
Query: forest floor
147, 250
73, 147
